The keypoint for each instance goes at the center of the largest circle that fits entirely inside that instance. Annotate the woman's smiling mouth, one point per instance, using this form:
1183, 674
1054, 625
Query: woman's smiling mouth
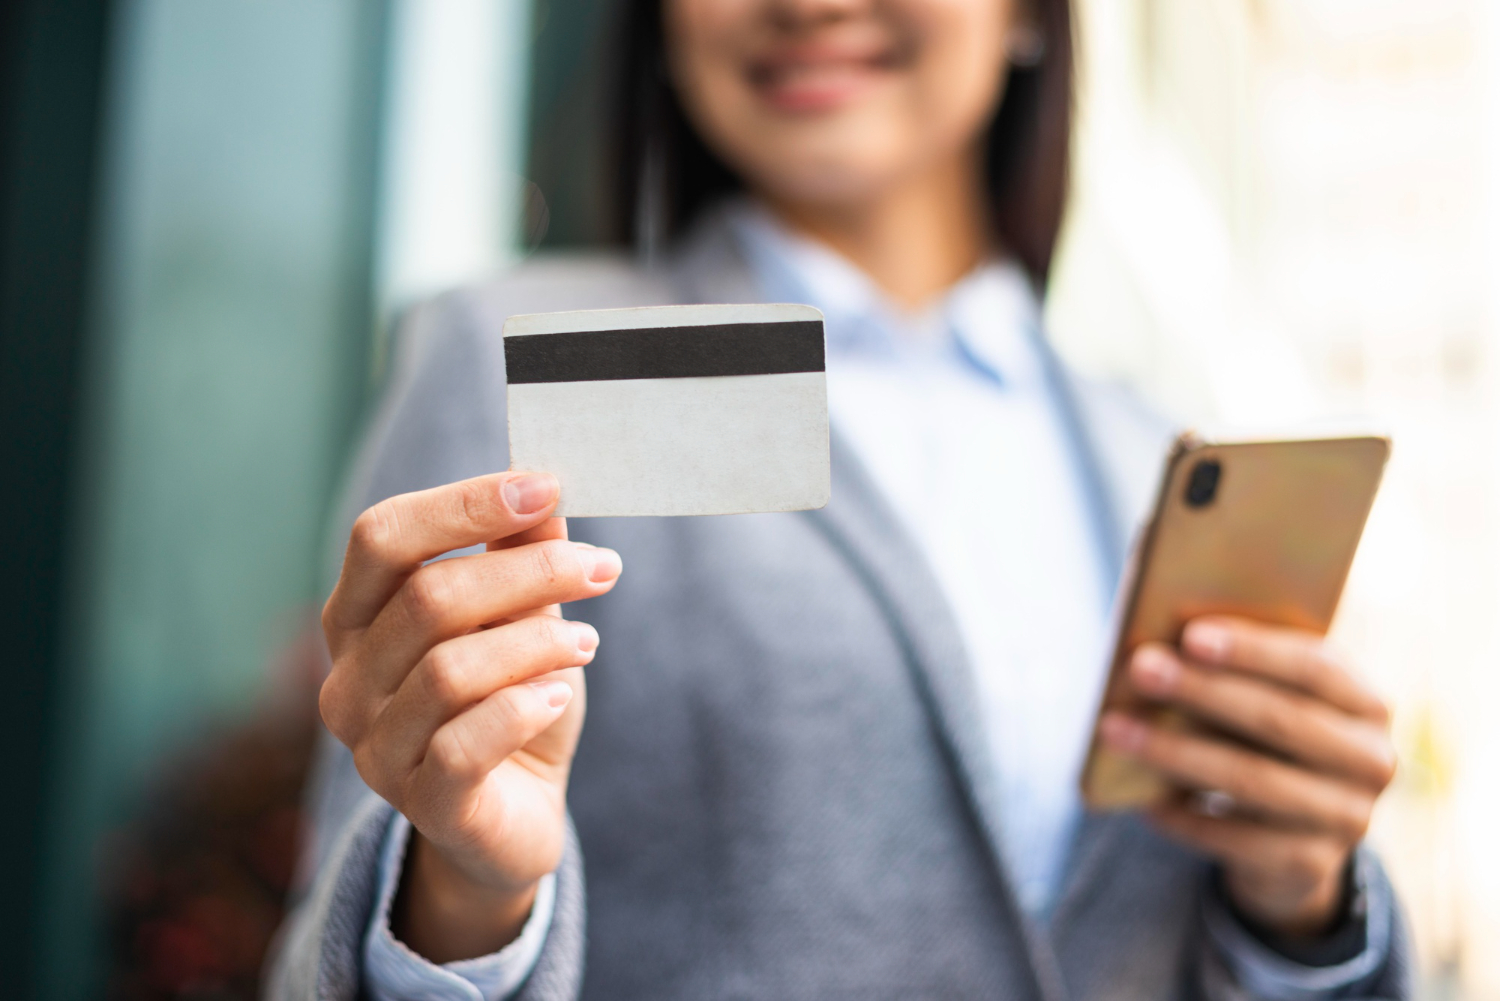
821, 76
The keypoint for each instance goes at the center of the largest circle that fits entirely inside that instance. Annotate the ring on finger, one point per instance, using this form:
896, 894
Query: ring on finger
1214, 803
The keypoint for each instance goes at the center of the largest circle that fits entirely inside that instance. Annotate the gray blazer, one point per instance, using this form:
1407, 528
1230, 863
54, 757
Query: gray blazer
782, 789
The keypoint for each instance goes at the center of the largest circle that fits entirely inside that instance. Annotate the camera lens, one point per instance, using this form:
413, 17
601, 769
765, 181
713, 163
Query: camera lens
1203, 483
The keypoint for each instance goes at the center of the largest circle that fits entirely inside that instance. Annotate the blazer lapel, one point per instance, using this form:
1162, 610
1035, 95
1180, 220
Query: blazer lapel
859, 524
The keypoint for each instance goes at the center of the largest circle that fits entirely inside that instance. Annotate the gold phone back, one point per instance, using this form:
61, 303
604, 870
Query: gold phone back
1275, 544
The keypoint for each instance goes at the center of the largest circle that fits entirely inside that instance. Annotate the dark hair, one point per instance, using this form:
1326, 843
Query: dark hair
662, 174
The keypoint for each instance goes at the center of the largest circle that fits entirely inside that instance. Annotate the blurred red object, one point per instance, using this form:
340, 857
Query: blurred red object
196, 885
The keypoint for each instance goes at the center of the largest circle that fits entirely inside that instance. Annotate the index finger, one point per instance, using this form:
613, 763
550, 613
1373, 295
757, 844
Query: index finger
1291, 657
395, 537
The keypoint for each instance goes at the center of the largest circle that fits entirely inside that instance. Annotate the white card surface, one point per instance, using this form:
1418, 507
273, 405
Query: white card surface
672, 410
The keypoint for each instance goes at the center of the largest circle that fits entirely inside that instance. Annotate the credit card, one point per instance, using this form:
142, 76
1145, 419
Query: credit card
672, 410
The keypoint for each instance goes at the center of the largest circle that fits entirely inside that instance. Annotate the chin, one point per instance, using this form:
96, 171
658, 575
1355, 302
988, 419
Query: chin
826, 186
826, 172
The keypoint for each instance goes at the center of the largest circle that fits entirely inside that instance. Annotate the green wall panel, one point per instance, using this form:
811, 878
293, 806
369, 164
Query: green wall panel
228, 363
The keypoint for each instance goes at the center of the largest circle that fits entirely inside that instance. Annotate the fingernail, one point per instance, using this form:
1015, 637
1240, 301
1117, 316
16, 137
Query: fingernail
599, 564
557, 693
1123, 733
530, 493
1207, 641
586, 636
1155, 670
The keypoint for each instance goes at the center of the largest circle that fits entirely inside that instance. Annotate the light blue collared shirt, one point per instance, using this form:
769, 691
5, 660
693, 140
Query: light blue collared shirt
393, 972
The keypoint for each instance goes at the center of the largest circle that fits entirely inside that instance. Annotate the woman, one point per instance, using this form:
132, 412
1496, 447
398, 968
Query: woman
832, 753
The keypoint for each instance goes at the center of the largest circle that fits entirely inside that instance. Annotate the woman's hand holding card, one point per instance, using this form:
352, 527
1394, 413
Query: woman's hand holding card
458, 687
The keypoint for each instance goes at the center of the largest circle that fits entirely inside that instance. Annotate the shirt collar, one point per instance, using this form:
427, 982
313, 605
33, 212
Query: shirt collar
987, 321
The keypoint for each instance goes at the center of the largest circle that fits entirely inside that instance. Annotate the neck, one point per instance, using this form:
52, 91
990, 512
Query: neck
915, 240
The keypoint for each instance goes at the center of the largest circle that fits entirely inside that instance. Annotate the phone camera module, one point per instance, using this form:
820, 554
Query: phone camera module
1203, 483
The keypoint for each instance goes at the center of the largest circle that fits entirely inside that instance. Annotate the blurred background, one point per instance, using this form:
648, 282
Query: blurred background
1286, 214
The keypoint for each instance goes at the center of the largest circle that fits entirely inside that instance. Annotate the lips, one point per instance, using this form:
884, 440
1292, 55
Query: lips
820, 77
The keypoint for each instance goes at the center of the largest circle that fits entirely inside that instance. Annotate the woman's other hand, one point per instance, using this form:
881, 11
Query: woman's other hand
1284, 815
458, 687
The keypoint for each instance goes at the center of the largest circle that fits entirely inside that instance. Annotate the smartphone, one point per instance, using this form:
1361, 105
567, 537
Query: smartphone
1261, 529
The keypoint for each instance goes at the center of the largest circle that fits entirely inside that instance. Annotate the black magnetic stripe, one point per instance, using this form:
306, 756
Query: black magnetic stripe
666, 352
